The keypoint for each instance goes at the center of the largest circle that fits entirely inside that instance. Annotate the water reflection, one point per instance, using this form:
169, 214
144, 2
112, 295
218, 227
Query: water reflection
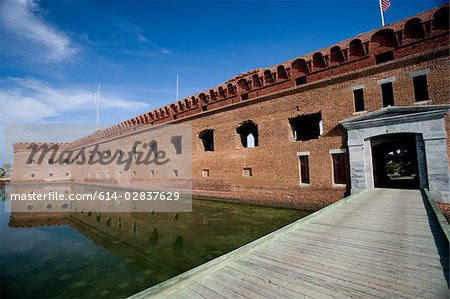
91, 254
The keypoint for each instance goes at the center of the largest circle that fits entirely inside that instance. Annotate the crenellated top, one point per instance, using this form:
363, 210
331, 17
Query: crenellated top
370, 48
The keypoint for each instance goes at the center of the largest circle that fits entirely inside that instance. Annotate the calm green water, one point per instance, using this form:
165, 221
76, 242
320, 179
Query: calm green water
92, 255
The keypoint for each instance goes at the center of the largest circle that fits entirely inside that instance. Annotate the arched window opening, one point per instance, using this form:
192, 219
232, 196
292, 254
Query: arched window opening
318, 60
207, 138
336, 54
248, 131
281, 72
222, 92
414, 29
356, 49
441, 18
383, 40
194, 101
307, 127
251, 141
300, 67
203, 97
212, 95
231, 89
256, 80
268, 76
243, 84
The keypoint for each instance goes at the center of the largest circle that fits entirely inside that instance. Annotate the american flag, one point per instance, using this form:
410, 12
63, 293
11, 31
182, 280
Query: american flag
385, 4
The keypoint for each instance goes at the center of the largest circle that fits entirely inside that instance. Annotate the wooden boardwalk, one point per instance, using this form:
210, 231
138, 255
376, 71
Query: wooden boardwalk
382, 243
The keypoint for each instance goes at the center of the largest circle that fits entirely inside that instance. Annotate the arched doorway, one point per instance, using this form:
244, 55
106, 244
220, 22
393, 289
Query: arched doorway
395, 161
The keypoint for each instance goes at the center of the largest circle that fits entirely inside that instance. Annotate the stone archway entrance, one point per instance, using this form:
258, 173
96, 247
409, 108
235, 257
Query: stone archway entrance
395, 161
413, 135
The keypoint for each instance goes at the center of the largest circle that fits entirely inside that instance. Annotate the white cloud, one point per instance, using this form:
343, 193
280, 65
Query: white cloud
142, 38
30, 101
165, 51
24, 24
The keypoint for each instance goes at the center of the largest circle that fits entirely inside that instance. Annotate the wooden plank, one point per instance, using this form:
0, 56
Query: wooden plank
377, 276
378, 244
203, 291
410, 266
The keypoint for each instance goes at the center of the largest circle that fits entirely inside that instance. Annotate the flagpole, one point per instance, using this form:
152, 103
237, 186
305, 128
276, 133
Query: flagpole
381, 12
177, 87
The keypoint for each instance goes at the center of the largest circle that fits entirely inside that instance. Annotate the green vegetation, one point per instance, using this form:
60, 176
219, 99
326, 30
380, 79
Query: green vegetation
4, 170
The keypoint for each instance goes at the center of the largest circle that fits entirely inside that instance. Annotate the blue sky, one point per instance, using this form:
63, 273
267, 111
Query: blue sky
53, 53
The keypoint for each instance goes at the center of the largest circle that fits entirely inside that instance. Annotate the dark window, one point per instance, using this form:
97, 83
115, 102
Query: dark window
153, 147
207, 138
384, 57
248, 132
244, 96
247, 171
176, 141
340, 168
358, 95
50, 161
204, 108
420, 88
300, 80
387, 93
304, 169
306, 127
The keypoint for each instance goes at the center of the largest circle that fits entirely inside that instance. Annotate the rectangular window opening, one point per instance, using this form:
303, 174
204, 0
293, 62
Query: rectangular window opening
207, 138
384, 57
304, 169
307, 127
340, 173
205, 173
176, 142
387, 93
358, 95
300, 81
247, 171
420, 88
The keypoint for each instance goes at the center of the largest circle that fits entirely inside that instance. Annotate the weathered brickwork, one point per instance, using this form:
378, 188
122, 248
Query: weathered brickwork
270, 98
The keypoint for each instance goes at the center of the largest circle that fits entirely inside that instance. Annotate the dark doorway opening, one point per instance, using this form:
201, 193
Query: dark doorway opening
394, 160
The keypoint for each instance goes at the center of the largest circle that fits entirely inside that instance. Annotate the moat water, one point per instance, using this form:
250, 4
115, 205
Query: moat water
115, 255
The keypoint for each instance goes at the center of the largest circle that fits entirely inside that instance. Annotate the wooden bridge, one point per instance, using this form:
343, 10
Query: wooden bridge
382, 243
